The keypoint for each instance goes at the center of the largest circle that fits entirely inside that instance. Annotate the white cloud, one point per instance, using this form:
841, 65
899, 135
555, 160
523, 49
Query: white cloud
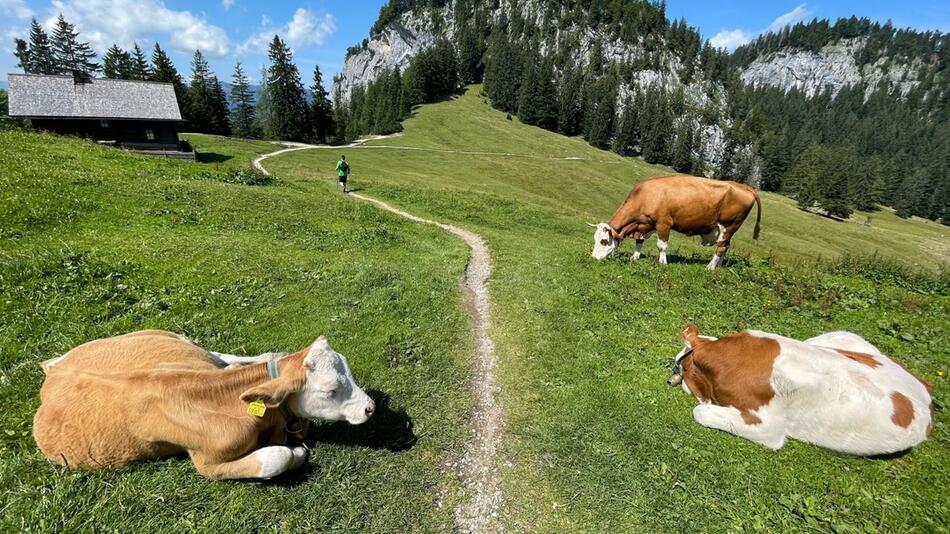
15, 8
794, 16
103, 22
226, 4
304, 29
732, 39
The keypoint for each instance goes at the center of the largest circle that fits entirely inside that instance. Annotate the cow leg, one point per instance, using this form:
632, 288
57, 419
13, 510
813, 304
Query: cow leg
262, 464
636, 250
230, 360
768, 432
662, 240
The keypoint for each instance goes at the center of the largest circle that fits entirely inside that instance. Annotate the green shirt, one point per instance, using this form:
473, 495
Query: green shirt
340, 171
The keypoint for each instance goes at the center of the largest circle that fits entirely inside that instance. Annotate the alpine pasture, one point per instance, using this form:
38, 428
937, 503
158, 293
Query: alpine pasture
96, 242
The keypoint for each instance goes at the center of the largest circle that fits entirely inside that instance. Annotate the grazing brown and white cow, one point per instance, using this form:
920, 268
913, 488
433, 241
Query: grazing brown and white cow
152, 394
835, 390
713, 209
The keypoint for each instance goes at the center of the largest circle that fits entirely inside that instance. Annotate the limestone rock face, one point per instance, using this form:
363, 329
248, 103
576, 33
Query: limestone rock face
394, 47
832, 68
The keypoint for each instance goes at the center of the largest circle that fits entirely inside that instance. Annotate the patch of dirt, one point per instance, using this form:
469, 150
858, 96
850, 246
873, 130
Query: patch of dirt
478, 466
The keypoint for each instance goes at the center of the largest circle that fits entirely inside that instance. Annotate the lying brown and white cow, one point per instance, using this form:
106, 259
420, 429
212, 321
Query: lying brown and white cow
835, 390
713, 209
152, 394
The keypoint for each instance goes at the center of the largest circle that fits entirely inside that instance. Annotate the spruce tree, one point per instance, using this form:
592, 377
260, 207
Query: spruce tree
288, 106
570, 110
242, 112
116, 63
321, 109
682, 160
41, 59
70, 53
601, 104
220, 112
340, 115
163, 70
138, 68
262, 109
503, 73
537, 101
628, 135
199, 95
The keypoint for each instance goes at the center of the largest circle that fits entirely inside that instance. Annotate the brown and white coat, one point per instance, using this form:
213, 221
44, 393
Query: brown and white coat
836, 390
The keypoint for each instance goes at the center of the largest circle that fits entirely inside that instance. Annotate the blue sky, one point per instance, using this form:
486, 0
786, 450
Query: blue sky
321, 30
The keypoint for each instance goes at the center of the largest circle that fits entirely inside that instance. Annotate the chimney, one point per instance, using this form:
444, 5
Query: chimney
80, 77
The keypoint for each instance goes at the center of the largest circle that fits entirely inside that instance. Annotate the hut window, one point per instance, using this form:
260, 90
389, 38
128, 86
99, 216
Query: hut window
150, 134
103, 124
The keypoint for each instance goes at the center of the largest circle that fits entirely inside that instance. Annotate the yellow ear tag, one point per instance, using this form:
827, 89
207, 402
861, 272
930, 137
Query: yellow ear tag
256, 408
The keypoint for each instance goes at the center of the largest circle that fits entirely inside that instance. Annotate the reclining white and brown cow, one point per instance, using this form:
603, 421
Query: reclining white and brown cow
713, 209
835, 390
152, 394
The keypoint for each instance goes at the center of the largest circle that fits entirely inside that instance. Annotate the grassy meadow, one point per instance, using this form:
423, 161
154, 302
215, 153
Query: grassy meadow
595, 439
95, 242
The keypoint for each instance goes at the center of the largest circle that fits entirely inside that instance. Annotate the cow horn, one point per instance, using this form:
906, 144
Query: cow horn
592, 224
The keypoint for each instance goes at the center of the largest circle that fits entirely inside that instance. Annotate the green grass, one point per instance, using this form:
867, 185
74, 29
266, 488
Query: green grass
595, 440
228, 152
95, 242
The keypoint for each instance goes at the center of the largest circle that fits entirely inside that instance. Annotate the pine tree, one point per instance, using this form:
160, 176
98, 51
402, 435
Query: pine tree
220, 113
601, 104
682, 160
570, 110
242, 112
4, 103
628, 134
41, 59
321, 109
262, 109
198, 117
537, 101
833, 197
503, 73
340, 115
70, 53
163, 70
116, 63
656, 125
288, 107
139, 69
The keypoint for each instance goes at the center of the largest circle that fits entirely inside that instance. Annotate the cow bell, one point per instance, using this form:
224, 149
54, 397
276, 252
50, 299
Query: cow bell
675, 380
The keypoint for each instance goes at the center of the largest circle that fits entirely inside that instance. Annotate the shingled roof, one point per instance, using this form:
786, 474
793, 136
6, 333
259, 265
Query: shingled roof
42, 96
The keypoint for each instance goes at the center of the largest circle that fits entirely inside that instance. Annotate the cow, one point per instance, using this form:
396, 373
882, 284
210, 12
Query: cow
713, 209
152, 394
836, 391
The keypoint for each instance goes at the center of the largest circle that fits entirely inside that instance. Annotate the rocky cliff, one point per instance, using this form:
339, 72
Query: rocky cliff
831, 68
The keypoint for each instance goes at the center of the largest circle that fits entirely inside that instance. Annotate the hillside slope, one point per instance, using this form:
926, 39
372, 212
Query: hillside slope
595, 441
96, 242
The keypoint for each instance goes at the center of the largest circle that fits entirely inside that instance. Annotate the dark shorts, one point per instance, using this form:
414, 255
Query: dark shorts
342, 179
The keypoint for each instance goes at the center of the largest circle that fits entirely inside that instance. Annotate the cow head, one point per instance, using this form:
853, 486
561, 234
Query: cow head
691, 338
604, 241
322, 388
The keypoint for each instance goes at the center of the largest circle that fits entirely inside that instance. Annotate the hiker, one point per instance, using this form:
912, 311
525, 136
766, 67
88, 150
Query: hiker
343, 171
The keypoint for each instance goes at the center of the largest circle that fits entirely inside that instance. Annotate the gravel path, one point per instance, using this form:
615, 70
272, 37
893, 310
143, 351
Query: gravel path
478, 467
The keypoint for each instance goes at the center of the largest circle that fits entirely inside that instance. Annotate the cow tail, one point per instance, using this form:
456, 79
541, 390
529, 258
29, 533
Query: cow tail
758, 215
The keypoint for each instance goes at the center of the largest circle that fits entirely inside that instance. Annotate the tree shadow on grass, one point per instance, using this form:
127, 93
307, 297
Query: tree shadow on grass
212, 157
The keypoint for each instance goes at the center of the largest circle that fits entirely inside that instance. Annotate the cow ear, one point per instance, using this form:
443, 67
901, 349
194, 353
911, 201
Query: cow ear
690, 335
273, 392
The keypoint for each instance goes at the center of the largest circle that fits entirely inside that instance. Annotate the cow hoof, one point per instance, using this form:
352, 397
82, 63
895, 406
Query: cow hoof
300, 457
